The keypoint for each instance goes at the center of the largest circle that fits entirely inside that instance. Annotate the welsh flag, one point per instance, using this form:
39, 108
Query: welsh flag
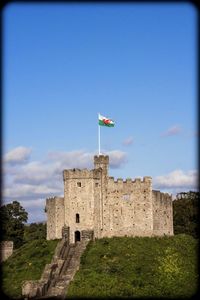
103, 121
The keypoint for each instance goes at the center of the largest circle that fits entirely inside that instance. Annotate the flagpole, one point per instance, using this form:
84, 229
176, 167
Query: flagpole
99, 134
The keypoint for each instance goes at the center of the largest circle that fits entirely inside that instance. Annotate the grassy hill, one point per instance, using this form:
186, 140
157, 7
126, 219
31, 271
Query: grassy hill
125, 267
26, 263
138, 267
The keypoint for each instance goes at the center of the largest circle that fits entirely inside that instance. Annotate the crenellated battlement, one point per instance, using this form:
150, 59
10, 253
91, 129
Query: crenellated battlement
101, 159
119, 180
54, 198
77, 174
161, 197
95, 201
145, 180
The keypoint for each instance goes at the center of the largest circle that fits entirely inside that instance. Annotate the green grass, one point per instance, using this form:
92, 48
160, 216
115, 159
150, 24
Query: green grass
138, 267
26, 263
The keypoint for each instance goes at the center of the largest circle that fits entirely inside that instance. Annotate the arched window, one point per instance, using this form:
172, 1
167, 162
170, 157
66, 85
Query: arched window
77, 218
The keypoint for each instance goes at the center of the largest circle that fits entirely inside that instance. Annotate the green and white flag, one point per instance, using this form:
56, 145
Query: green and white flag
103, 121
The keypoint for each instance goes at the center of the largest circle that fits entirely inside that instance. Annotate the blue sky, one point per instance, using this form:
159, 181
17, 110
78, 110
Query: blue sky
64, 63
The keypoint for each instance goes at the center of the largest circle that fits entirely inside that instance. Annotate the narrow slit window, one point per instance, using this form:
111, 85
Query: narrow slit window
79, 184
77, 218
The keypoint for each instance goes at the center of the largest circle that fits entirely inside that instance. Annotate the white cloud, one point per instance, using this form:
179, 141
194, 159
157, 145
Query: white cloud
31, 182
117, 158
128, 141
81, 159
177, 181
18, 155
34, 204
36, 172
174, 130
73, 159
23, 190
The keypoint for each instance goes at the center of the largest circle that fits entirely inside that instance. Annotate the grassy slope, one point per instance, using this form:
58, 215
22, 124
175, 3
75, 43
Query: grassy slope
26, 263
138, 267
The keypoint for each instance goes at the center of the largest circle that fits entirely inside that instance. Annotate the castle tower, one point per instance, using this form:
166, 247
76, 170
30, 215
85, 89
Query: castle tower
96, 206
102, 161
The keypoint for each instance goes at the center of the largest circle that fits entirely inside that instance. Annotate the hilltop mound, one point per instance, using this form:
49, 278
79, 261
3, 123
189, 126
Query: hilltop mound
110, 267
138, 267
26, 263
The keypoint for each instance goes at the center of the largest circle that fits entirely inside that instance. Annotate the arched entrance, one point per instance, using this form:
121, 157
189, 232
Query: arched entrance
77, 236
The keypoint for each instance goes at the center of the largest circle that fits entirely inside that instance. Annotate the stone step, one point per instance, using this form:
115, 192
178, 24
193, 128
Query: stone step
69, 273
55, 292
66, 277
68, 267
71, 268
59, 285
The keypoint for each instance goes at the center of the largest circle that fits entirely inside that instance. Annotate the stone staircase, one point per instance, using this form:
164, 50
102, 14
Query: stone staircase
60, 283
57, 275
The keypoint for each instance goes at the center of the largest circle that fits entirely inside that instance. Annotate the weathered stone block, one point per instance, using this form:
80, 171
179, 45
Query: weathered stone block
6, 248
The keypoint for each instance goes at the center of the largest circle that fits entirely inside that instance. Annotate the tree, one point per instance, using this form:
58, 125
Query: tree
35, 231
13, 216
185, 213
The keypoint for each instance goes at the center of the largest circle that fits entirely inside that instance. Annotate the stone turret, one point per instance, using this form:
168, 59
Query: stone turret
101, 161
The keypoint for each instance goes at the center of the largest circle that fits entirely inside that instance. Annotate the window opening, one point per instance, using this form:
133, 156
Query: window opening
77, 236
77, 218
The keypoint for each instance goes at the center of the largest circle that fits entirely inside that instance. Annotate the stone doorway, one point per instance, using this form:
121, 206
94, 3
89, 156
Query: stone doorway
77, 236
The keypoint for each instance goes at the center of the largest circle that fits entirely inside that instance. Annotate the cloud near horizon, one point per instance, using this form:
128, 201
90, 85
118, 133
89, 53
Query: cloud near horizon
31, 182
176, 181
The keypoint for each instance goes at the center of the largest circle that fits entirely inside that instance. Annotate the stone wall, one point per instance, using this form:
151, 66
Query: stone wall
127, 208
6, 248
55, 217
162, 213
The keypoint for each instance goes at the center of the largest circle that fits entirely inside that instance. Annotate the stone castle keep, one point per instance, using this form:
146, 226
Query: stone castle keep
96, 206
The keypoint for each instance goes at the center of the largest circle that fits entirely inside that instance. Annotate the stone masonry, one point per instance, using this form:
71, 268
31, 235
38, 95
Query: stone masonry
6, 248
96, 206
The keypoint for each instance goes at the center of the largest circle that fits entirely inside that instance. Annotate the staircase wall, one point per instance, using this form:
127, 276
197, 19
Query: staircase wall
58, 274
